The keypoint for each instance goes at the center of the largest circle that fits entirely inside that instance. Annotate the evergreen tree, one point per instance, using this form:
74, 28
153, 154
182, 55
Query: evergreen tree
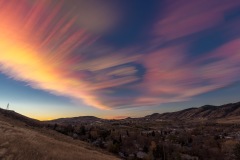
127, 133
82, 130
153, 133
236, 151
120, 138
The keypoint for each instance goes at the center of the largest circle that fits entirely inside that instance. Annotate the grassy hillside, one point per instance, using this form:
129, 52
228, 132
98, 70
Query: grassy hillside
21, 141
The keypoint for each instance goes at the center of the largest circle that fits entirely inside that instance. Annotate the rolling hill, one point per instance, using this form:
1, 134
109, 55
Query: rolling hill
76, 120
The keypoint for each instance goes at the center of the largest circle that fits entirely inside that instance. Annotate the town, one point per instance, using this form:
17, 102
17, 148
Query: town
159, 139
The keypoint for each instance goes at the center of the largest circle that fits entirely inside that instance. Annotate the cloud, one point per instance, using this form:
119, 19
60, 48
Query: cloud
56, 50
118, 117
97, 16
42, 52
183, 18
41, 59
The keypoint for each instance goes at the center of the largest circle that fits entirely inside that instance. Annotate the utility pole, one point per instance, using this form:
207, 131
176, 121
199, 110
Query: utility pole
8, 106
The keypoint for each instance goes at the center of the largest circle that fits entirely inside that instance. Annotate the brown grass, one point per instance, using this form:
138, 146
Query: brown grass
18, 141
230, 120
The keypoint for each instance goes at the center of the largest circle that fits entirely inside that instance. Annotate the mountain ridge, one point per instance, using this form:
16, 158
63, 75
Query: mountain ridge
208, 112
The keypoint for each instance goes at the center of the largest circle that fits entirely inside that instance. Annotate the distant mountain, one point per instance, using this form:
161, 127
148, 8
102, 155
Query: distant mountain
76, 120
207, 112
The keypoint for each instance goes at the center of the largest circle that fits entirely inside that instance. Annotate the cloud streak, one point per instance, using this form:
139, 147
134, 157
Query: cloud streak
42, 59
60, 51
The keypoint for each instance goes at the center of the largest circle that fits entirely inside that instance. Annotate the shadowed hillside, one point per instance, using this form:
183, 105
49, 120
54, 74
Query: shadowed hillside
207, 112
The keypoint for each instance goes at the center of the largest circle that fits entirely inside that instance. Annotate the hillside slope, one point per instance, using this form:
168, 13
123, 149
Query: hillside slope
207, 112
20, 141
16, 116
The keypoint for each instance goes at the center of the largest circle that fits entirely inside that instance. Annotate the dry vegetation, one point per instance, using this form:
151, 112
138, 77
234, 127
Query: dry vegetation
22, 142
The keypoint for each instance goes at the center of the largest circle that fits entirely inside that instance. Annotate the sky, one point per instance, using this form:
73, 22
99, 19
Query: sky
117, 58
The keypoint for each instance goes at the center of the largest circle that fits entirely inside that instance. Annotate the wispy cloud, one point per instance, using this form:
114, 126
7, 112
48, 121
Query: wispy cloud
183, 18
60, 51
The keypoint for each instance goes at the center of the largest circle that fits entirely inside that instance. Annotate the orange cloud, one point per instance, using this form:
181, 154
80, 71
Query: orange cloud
117, 117
42, 52
26, 56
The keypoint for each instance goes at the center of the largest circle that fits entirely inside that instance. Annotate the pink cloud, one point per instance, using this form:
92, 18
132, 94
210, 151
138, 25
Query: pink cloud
171, 77
183, 18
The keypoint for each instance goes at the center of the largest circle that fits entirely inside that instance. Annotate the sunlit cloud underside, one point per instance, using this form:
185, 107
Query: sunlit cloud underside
55, 49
